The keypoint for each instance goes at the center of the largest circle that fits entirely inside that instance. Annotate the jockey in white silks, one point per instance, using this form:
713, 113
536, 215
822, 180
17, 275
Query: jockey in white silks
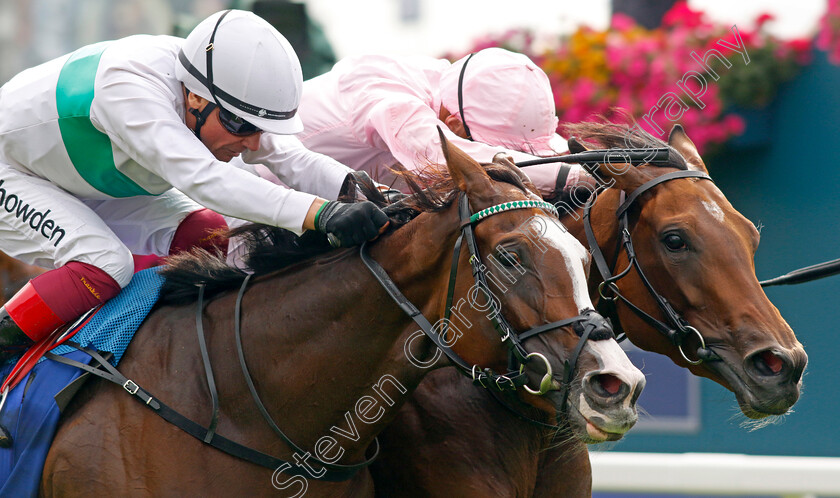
92, 144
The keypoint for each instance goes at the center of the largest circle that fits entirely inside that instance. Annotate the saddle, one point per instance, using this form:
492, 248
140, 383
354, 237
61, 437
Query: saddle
39, 389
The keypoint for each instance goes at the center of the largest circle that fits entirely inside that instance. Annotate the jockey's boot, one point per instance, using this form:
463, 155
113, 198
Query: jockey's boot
24, 320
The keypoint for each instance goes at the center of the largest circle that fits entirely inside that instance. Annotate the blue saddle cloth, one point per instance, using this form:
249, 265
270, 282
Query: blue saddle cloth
31, 413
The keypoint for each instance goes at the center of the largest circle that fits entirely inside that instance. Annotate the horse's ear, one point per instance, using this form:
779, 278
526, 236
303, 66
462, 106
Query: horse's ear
465, 171
680, 141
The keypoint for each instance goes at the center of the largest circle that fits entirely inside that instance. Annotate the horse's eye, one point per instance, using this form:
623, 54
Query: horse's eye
509, 259
674, 242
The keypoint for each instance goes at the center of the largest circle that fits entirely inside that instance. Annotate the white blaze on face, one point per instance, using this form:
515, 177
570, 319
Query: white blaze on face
611, 360
713, 209
573, 253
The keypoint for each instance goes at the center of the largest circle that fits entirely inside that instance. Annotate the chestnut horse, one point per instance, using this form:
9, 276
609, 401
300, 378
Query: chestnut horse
333, 357
696, 251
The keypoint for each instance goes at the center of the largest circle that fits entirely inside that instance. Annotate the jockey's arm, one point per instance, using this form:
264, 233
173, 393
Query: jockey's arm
152, 133
409, 128
299, 167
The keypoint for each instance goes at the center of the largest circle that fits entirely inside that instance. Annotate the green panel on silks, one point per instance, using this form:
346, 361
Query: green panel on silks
789, 185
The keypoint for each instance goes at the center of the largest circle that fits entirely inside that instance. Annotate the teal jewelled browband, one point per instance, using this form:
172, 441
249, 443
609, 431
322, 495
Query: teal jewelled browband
507, 206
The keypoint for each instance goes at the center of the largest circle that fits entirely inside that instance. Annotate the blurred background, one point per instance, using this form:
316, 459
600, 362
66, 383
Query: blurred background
767, 130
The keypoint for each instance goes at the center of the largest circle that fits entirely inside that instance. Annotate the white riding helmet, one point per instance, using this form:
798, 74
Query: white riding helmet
254, 71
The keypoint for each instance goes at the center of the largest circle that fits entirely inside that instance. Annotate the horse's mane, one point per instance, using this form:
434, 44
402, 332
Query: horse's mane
269, 249
620, 134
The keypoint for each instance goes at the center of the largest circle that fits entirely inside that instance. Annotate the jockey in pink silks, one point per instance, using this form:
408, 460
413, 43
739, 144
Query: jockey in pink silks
373, 111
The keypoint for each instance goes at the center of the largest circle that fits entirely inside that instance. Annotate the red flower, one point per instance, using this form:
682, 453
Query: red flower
682, 15
622, 22
762, 19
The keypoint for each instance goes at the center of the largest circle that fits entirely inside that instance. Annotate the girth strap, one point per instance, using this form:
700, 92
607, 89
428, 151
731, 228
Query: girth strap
328, 472
194, 429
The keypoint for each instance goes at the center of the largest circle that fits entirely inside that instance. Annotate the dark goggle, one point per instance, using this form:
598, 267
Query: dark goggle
236, 125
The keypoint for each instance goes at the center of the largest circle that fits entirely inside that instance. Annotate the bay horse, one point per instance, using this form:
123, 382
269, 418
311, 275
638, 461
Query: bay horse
696, 252
13, 275
332, 356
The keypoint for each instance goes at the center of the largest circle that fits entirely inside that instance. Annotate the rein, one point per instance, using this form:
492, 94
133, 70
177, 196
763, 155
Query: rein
518, 356
676, 328
328, 472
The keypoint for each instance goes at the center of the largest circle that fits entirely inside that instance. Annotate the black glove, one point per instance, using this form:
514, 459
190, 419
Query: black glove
352, 223
393, 195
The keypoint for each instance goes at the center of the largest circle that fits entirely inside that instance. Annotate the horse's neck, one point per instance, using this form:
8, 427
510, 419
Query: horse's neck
328, 344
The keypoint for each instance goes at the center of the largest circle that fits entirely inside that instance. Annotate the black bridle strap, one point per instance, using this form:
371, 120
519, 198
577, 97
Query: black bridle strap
594, 248
656, 181
453, 273
582, 318
610, 279
518, 355
678, 328
408, 307
569, 367
349, 470
461, 97
485, 378
331, 472
208, 369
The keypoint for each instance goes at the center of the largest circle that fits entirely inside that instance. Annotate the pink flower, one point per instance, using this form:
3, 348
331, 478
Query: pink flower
622, 22
734, 123
762, 19
682, 15
583, 91
803, 50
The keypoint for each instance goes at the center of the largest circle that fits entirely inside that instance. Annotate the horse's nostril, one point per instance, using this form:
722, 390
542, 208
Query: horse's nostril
768, 363
606, 385
773, 362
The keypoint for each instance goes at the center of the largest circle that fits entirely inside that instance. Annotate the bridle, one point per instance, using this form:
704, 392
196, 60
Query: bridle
583, 324
675, 328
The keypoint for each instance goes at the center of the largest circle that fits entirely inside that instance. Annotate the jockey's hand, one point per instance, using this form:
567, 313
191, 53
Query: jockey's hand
393, 195
504, 157
352, 223
390, 194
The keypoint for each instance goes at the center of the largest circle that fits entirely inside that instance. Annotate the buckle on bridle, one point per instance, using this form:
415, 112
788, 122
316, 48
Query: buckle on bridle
507, 335
131, 387
507, 379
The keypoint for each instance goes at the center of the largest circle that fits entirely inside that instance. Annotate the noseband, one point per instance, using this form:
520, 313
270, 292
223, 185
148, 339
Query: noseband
675, 328
516, 377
